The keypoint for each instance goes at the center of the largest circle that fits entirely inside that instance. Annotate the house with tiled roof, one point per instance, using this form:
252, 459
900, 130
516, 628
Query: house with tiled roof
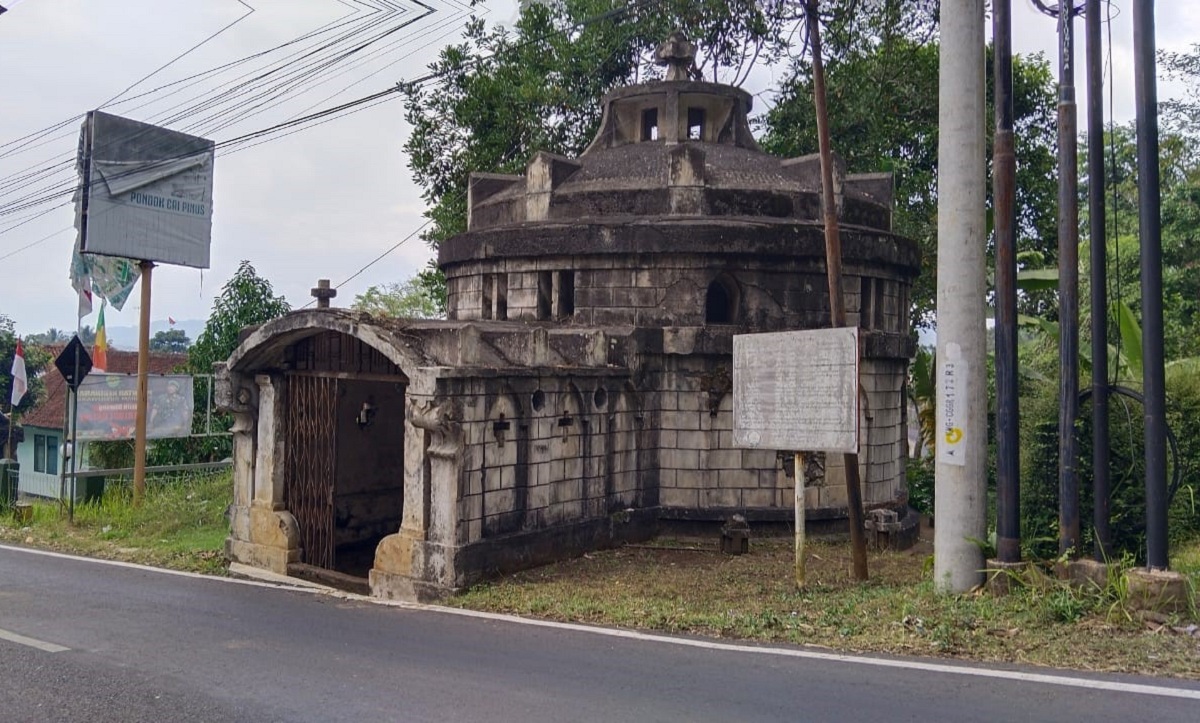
40, 454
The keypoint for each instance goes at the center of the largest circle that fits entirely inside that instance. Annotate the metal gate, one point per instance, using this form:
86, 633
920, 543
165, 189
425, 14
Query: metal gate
311, 444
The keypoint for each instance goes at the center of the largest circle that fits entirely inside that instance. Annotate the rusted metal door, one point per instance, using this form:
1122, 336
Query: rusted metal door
311, 444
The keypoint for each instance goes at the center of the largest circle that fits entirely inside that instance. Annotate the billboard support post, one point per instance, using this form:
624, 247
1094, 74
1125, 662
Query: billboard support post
143, 395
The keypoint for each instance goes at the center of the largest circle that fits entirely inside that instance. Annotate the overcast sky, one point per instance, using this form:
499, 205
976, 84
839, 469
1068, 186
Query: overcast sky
321, 203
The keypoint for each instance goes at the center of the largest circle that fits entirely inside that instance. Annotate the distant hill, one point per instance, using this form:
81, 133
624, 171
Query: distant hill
126, 337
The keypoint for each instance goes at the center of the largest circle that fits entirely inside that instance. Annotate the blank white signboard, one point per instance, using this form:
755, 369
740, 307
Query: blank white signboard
796, 390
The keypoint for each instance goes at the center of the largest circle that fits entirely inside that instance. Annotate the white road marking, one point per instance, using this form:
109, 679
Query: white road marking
296, 585
1067, 681
31, 642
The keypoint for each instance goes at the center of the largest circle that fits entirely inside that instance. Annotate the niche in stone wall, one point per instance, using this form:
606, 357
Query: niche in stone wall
722, 300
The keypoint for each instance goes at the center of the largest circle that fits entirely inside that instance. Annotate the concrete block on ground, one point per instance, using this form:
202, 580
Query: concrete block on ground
1160, 591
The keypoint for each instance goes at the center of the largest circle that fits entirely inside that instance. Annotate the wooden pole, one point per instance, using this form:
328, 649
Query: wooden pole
139, 433
801, 566
833, 268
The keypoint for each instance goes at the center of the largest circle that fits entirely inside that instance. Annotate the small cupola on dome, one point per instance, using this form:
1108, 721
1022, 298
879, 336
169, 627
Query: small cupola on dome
680, 108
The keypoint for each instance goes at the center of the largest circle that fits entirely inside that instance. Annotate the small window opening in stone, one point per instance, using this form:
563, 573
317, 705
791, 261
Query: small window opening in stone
650, 124
501, 296
486, 298
866, 301
695, 124
720, 303
545, 293
564, 297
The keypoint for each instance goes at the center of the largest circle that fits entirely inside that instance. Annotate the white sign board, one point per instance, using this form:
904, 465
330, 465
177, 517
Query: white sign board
796, 390
146, 192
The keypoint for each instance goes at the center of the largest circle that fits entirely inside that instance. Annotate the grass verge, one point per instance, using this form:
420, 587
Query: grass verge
687, 587
180, 524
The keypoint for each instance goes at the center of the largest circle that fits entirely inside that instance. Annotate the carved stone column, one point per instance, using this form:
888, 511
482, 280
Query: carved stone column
417, 563
274, 536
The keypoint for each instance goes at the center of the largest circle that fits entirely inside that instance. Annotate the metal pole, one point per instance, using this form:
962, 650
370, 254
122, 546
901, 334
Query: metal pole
1004, 172
1068, 287
833, 270
1150, 233
1101, 484
801, 565
74, 430
961, 477
139, 443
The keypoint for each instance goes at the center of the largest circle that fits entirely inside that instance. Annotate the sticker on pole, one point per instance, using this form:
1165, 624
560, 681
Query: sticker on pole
953, 373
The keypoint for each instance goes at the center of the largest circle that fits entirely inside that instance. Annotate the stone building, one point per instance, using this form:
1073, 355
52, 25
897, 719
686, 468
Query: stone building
578, 395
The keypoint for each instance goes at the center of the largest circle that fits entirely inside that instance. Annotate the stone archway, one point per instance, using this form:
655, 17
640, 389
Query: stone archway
343, 450
324, 462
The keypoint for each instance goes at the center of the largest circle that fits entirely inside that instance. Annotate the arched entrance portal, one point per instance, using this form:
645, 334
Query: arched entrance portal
343, 440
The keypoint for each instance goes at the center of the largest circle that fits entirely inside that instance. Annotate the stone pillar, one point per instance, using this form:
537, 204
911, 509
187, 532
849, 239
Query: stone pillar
418, 562
273, 535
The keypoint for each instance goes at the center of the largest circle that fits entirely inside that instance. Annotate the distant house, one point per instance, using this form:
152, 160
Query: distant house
41, 453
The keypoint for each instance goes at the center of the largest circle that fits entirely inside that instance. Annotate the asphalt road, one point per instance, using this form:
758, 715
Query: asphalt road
144, 645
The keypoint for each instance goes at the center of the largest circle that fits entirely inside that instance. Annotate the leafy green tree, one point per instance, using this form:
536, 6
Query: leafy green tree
174, 341
50, 336
501, 95
883, 116
405, 300
247, 299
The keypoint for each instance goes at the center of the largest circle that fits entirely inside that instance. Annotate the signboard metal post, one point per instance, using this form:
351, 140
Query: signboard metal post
139, 439
797, 390
801, 567
146, 195
73, 363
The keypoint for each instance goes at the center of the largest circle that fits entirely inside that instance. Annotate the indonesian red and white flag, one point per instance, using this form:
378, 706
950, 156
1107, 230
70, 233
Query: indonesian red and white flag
20, 382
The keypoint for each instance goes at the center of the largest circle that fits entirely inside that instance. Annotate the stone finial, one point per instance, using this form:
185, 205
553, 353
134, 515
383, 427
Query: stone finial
323, 293
679, 55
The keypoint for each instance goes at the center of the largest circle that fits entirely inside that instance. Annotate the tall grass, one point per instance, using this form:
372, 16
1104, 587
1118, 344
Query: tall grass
180, 524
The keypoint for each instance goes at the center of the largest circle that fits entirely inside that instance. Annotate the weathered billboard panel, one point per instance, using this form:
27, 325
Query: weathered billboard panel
146, 192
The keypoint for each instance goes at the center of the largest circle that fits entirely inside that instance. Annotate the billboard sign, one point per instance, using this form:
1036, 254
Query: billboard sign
146, 192
108, 407
796, 390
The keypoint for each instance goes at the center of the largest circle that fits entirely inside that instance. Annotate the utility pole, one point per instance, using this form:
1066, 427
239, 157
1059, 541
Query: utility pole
961, 478
1068, 285
1150, 233
833, 272
1101, 485
1004, 185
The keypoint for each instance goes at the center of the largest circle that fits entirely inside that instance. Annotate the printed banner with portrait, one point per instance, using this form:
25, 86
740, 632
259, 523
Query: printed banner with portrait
108, 407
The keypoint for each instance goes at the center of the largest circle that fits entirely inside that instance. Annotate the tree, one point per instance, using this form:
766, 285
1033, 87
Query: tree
406, 300
883, 116
174, 341
246, 299
50, 336
501, 95
36, 360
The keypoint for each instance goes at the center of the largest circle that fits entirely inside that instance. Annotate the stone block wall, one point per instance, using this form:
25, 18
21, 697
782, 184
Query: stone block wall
542, 452
700, 469
622, 291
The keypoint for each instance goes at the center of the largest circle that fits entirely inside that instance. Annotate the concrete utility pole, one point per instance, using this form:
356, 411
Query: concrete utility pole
961, 479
